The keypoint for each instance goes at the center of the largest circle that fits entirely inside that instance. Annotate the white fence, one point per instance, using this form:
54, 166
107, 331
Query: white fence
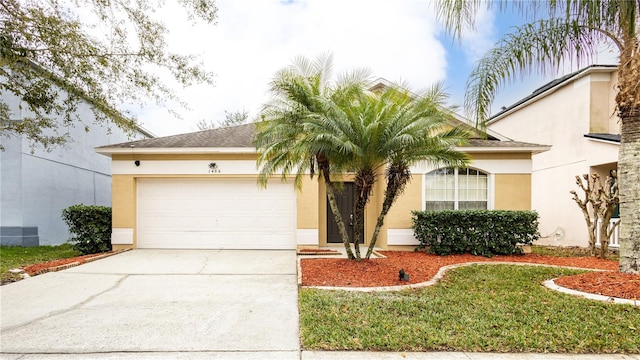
615, 236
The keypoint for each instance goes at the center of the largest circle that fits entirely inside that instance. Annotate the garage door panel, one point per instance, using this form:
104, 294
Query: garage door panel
215, 214
216, 241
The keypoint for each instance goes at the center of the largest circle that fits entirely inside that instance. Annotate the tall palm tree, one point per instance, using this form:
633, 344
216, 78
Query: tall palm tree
301, 94
413, 128
337, 127
389, 129
570, 30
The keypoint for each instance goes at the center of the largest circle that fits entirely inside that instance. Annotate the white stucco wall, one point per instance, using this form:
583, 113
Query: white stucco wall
36, 185
561, 119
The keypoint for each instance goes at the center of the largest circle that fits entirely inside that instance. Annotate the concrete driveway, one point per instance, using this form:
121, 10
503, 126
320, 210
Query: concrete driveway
158, 304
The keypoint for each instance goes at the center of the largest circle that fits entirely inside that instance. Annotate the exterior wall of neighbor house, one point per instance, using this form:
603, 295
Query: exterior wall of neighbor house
509, 181
36, 185
561, 119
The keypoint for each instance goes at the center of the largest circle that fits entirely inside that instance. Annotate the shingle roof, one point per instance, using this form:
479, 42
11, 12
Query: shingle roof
242, 136
235, 136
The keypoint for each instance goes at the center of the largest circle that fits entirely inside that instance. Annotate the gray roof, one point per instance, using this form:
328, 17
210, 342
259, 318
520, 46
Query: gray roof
606, 137
234, 136
242, 136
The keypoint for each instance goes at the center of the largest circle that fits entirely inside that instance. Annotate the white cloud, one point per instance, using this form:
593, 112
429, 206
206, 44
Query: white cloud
255, 38
476, 42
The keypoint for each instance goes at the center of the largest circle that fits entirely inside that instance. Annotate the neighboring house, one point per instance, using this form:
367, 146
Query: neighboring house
200, 190
36, 185
574, 114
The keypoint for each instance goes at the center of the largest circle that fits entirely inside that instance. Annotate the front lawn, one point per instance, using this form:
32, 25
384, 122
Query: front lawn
492, 308
16, 257
570, 251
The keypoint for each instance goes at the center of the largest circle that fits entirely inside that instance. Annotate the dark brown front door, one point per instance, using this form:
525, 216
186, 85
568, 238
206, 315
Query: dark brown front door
346, 202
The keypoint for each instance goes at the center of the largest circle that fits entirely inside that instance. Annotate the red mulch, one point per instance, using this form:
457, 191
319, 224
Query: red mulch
616, 284
47, 266
423, 266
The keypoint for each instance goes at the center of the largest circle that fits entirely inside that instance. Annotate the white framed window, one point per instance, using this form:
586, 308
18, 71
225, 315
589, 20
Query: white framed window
456, 189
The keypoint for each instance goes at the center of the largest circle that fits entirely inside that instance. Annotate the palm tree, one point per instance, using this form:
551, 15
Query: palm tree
571, 30
393, 129
413, 128
301, 94
341, 127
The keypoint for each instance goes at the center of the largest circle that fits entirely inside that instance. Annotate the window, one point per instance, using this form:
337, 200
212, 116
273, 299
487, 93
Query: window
456, 189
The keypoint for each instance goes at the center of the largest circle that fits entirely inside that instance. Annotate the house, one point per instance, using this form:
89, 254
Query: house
575, 114
200, 191
36, 185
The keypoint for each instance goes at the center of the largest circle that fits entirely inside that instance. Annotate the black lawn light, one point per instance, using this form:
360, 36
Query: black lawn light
403, 276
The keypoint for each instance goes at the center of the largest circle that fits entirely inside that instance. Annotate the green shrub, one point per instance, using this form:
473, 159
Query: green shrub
478, 232
91, 226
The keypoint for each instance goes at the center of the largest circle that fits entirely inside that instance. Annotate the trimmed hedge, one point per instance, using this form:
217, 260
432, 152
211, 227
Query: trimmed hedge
91, 226
477, 232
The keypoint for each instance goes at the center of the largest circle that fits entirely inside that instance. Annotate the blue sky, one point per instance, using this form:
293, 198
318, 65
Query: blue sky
460, 64
398, 40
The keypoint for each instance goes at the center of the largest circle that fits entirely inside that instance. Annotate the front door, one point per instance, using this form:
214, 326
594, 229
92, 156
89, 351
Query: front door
346, 204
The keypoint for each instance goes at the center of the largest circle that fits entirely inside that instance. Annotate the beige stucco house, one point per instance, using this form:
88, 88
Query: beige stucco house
574, 114
200, 191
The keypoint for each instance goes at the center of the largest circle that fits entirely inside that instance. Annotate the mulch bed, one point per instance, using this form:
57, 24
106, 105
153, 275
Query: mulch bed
616, 284
423, 266
62, 264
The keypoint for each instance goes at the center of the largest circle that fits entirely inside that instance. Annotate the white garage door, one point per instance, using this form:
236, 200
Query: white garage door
215, 214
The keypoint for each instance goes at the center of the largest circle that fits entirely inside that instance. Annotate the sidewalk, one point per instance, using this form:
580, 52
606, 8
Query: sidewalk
315, 355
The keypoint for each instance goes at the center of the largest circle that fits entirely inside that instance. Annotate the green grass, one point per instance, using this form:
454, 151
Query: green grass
492, 308
16, 257
569, 251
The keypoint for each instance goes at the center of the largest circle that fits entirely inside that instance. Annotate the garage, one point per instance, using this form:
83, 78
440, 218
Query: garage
206, 213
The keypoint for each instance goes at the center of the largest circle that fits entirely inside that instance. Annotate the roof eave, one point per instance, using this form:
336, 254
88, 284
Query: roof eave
523, 149
108, 151
612, 142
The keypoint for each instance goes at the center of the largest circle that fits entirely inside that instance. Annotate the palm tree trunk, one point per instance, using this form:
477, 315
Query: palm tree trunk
333, 205
389, 198
364, 181
629, 185
336, 213
397, 179
358, 222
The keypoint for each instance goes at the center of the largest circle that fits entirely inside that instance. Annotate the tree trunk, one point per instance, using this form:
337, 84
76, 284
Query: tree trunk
389, 198
605, 234
397, 178
364, 182
628, 106
611, 201
590, 195
629, 187
333, 205
358, 221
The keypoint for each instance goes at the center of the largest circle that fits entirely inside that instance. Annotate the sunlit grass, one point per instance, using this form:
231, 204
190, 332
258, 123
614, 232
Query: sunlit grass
571, 251
16, 257
496, 308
